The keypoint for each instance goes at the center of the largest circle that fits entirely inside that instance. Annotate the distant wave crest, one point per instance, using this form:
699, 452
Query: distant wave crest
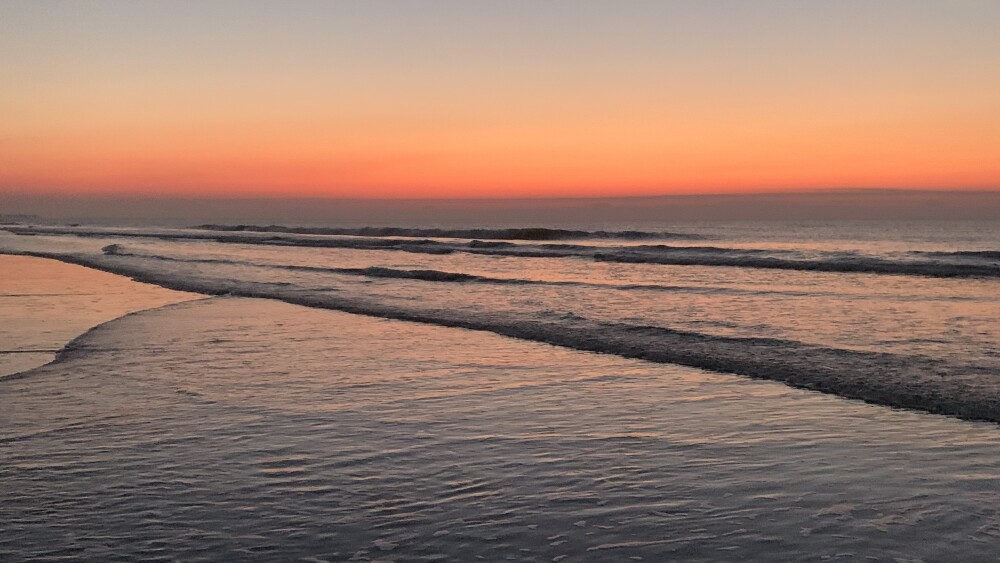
526, 233
987, 254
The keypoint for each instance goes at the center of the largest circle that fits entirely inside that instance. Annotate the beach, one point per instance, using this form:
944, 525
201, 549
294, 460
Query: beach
44, 304
548, 282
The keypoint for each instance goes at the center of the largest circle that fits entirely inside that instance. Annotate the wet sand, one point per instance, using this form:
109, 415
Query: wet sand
44, 304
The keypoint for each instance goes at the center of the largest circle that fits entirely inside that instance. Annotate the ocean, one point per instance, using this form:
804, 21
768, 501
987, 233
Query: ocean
687, 391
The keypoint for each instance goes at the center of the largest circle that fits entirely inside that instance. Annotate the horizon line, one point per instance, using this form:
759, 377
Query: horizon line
313, 197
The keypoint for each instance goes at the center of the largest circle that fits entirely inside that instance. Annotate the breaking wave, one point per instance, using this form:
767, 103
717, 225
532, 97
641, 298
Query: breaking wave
843, 263
987, 254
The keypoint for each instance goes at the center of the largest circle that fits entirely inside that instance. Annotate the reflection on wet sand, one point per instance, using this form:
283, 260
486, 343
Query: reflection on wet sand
44, 304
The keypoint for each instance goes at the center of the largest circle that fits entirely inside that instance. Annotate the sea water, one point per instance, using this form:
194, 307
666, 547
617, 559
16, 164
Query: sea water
251, 428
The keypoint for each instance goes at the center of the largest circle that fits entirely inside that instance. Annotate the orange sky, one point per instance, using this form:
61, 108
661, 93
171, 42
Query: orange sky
383, 100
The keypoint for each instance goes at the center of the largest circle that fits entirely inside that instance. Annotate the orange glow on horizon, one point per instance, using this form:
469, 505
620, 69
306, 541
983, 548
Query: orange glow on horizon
597, 161
544, 154
389, 100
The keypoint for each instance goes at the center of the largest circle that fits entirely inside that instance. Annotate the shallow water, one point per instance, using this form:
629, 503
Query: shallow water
44, 304
249, 429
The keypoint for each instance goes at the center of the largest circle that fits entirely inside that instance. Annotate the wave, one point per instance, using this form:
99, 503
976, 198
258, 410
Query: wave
76, 347
679, 256
986, 254
371, 271
964, 390
430, 275
527, 233
662, 254
839, 264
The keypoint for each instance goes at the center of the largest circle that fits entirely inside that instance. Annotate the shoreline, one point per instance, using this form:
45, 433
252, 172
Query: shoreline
47, 303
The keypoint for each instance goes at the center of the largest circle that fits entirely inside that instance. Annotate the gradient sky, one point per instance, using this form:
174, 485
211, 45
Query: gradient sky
508, 98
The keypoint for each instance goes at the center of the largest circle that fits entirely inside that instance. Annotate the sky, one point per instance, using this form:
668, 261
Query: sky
502, 99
